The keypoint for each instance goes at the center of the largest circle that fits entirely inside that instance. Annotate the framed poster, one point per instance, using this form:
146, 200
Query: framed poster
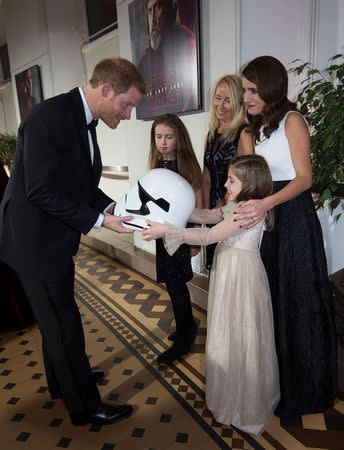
165, 45
29, 89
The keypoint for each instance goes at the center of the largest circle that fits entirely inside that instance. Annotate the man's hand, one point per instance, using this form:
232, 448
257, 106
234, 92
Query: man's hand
114, 223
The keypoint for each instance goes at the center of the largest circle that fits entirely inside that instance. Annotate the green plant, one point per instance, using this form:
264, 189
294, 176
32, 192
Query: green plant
321, 101
7, 148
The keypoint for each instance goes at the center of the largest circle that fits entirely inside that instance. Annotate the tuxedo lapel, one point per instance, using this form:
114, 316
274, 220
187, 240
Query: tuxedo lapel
80, 120
83, 132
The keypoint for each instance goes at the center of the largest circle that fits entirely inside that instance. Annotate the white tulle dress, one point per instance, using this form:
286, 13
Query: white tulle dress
242, 384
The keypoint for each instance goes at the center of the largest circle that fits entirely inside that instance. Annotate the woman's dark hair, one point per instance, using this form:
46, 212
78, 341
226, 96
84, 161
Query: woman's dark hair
271, 79
256, 181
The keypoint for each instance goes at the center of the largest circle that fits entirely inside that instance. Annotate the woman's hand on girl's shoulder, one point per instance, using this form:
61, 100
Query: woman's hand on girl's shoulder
154, 230
252, 212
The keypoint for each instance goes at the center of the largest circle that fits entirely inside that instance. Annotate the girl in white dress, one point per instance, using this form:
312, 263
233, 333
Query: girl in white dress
242, 385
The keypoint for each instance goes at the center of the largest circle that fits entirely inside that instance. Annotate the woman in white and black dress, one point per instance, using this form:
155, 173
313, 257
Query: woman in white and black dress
293, 252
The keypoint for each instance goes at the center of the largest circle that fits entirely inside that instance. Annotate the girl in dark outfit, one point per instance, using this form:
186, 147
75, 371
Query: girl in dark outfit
171, 148
224, 141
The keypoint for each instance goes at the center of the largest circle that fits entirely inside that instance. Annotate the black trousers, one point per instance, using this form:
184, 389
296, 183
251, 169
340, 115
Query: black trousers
63, 343
181, 303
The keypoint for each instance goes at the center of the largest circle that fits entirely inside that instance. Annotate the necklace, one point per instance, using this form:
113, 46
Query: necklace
168, 164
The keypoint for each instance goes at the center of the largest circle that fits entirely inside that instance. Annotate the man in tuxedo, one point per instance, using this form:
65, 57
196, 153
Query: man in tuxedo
52, 197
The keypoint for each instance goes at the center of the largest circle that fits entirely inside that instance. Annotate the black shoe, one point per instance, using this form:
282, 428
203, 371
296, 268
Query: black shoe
97, 375
172, 336
105, 415
173, 353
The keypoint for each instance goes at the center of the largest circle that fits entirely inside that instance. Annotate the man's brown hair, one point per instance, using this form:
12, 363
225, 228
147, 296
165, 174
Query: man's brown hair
121, 73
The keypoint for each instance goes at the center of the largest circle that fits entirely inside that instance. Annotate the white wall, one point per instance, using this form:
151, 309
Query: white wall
328, 13
40, 32
8, 118
277, 28
66, 34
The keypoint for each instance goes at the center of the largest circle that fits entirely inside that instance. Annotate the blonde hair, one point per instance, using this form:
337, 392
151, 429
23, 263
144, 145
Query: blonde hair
235, 93
187, 163
254, 174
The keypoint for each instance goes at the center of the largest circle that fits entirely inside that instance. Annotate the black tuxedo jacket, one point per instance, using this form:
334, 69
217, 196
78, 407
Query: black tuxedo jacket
52, 195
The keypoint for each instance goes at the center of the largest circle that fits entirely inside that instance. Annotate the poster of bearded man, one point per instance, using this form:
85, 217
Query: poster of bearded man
165, 45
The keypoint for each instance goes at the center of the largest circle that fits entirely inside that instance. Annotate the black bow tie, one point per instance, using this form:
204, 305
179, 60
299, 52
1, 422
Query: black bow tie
92, 124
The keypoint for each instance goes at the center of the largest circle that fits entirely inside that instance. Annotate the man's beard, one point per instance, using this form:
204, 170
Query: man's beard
155, 40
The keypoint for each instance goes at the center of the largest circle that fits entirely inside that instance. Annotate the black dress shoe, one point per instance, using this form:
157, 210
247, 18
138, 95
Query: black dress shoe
106, 414
97, 375
172, 337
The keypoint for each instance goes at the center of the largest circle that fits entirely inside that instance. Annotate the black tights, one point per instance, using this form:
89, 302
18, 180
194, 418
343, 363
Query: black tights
181, 303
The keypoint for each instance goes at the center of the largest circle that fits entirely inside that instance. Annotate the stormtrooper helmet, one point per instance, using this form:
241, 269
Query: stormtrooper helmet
162, 196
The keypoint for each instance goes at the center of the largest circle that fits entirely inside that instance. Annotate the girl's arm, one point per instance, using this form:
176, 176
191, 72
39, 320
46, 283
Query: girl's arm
206, 216
175, 236
199, 199
206, 187
296, 131
205, 181
195, 249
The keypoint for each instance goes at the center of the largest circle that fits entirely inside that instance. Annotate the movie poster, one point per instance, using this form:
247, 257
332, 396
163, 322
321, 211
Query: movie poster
29, 89
165, 46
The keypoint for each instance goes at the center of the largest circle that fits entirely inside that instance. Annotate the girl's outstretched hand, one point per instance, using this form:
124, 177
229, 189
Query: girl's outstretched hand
155, 230
251, 211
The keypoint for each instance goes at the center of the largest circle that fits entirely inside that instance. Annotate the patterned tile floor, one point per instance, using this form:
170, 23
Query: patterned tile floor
127, 319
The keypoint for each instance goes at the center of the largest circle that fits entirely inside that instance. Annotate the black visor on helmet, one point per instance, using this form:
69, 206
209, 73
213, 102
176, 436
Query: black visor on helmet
145, 198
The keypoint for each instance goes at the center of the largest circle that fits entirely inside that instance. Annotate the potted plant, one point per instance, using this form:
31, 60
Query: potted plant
321, 101
7, 148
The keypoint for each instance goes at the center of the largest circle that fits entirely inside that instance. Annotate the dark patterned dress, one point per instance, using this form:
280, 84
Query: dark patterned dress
216, 158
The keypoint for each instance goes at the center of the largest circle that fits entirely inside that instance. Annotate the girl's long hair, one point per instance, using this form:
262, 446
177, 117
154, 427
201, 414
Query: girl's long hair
256, 180
188, 166
271, 79
235, 93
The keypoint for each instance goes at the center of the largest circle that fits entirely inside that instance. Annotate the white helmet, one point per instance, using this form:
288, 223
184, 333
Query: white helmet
162, 196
